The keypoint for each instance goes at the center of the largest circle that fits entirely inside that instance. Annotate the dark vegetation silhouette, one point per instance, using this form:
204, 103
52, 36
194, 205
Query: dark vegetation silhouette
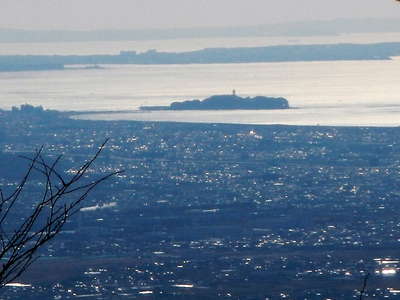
59, 199
226, 102
365, 283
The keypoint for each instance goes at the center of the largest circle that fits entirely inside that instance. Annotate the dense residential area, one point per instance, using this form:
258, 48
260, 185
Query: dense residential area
213, 211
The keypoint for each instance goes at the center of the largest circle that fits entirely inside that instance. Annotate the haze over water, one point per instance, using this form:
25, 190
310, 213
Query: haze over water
325, 93
182, 45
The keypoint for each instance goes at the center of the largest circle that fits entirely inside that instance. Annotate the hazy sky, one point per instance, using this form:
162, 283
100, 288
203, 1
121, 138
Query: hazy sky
131, 14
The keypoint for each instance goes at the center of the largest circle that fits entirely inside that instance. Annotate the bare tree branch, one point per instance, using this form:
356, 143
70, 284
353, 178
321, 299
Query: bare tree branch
364, 287
61, 198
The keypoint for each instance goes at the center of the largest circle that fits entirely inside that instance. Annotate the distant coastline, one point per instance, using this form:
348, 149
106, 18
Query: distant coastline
290, 53
226, 102
19, 67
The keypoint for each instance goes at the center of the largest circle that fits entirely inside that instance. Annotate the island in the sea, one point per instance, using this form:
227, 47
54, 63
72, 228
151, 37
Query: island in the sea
226, 102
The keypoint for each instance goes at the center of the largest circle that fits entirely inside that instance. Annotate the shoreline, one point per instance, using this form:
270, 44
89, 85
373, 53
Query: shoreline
216, 117
279, 53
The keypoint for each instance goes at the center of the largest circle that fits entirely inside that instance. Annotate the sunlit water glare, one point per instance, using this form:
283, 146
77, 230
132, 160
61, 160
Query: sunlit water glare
326, 93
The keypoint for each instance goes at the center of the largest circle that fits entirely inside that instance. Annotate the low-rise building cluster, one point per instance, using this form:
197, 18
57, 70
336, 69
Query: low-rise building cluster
208, 211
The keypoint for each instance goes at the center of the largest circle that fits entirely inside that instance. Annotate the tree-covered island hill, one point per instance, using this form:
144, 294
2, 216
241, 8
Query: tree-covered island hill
226, 102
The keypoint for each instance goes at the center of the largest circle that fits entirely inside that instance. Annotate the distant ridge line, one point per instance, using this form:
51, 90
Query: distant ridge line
311, 28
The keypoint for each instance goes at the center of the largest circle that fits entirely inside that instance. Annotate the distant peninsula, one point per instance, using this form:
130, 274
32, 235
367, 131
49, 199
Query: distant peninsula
18, 66
225, 102
334, 52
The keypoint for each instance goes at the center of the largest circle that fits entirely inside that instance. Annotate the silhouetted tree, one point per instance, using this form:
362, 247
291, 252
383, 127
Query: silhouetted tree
60, 198
365, 282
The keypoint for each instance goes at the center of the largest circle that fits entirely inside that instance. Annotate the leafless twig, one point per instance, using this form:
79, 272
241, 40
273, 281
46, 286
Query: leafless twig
364, 287
61, 198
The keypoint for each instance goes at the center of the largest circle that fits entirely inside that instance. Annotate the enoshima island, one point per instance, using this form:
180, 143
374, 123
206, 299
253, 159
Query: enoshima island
226, 102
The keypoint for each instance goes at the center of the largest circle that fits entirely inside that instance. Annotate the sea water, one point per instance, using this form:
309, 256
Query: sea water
325, 93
